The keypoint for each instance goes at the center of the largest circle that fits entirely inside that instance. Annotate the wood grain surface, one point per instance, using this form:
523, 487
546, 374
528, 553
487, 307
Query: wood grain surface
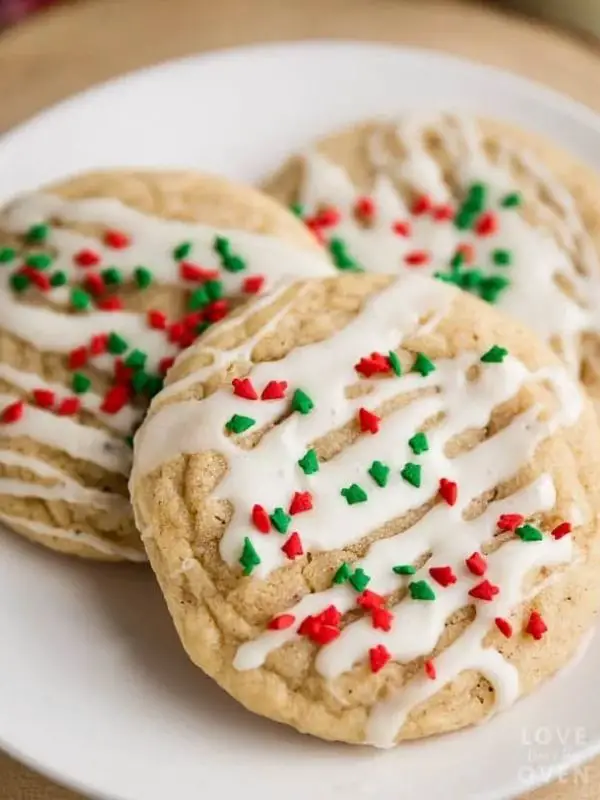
81, 43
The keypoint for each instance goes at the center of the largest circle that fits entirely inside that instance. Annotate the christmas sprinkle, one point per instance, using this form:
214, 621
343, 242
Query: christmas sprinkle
239, 423
412, 474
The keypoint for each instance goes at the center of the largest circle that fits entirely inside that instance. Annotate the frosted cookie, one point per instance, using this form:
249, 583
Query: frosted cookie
497, 211
103, 280
371, 504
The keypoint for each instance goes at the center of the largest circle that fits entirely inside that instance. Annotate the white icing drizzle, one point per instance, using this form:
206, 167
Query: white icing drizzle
49, 329
98, 543
268, 474
541, 252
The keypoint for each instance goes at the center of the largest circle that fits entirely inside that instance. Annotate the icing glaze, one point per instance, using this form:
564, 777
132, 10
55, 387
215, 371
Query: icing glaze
546, 248
151, 242
269, 475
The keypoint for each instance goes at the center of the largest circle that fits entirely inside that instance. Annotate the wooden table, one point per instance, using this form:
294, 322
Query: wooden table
69, 48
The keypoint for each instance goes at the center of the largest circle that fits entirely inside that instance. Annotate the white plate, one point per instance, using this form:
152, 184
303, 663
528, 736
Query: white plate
94, 689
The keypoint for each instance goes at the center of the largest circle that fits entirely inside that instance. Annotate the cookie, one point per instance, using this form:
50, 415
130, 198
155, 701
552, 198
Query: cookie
495, 210
103, 280
371, 503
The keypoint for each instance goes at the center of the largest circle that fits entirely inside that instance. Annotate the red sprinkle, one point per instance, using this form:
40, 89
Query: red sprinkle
116, 239
504, 626
274, 390
430, 669
468, 252
94, 283
365, 208
281, 622
372, 364
253, 284
562, 530
192, 272
40, 279
293, 547
329, 616
192, 320
217, 310
78, 357
536, 626
448, 491
86, 258
323, 634
382, 618
443, 212
416, 258
242, 387
115, 399
13, 412
301, 501
112, 303
69, 406
484, 591
379, 657
327, 217
508, 522
476, 563
98, 344
165, 364
123, 374
369, 600
443, 575
157, 320
487, 224
401, 228
422, 205
175, 332
44, 398
260, 518
368, 421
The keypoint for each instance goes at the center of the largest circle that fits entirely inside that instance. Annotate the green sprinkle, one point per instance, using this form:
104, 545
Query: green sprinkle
404, 569
470, 279
112, 276
80, 299
395, 363
249, 558
58, 278
423, 365
18, 281
418, 443
297, 209
136, 359
457, 260
80, 383
116, 344
198, 299
342, 574
7, 254
341, 258
511, 200
39, 260
448, 277
222, 246
301, 402
143, 277
464, 219
233, 263
182, 251
354, 494
202, 326
238, 423
309, 463
139, 381
38, 233
281, 520
153, 385
359, 579
421, 590
379, 472
495, 355
502, 258
476, 198
412, 474
491, 288
214, 289
529, 533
